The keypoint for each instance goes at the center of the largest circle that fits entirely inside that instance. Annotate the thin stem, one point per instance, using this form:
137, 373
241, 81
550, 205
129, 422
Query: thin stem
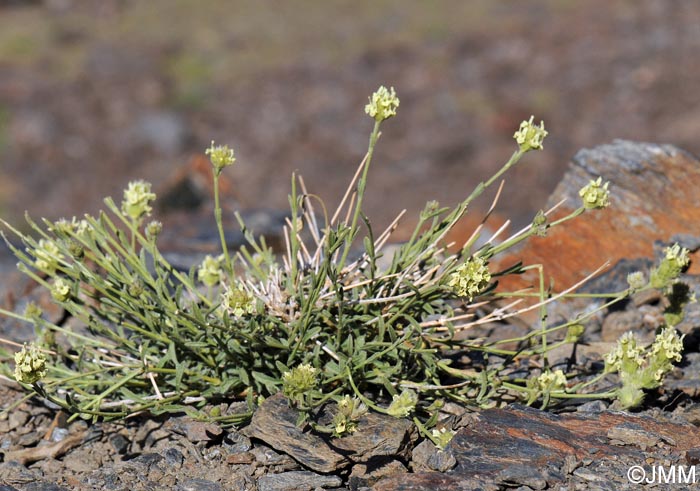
220, 225
361, 185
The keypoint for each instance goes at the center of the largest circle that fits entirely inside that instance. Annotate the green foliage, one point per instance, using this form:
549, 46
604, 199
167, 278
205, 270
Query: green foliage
324, 322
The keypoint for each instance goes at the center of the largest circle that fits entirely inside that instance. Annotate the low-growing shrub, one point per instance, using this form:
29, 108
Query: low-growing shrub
324, 322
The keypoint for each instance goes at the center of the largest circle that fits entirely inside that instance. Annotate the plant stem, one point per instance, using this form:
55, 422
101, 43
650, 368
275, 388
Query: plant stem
361, 185
220, 225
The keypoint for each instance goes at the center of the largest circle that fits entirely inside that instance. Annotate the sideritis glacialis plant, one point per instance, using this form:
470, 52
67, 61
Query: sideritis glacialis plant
324, 323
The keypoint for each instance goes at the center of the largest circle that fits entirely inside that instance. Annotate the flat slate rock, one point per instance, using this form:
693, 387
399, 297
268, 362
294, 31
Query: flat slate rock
519, 446
274, 422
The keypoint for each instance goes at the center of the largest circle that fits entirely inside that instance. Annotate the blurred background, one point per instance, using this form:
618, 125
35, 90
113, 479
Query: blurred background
95, 93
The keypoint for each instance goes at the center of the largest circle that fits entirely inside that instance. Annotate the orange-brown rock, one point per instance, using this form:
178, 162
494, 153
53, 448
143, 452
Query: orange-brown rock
654, 196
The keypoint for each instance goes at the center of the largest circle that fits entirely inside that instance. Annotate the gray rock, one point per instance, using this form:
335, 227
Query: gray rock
119, 443
297, 481
164, 132
427, 457
199, 485
369, 473
275, 423
173, 457
522, 475
377, 435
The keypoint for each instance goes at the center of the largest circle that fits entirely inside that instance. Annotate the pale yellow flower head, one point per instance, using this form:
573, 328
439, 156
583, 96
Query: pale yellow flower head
137, 200
383, 104
30, 365
471, 278
220, 156
529, 136
595, 194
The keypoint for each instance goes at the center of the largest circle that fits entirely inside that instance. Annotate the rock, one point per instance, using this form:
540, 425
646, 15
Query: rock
240, 458
522, 474
430, 481
275, 423
427, 457
173, 457
164, 132
653, 196
194, 431
377, 435
199, 485
519, 446
17, 418
618, 323
632, 434
297, 481
235, 442
369, 473
119, 443
265, 456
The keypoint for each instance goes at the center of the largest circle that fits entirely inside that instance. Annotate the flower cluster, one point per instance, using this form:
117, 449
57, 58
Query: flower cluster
220, 156
65, 227
529, 136
549, 381
348, 413
137, 200
595, 194
403, 404
641, 368
211, 271
299, 381
153, 229
237, 302
60, 290
574, 333
442, 437
471, 278
671, 266
30, 365
47, 256
383, 104
636, 281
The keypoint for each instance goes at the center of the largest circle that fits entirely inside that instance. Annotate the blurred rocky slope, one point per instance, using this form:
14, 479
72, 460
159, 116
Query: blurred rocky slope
94, 94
